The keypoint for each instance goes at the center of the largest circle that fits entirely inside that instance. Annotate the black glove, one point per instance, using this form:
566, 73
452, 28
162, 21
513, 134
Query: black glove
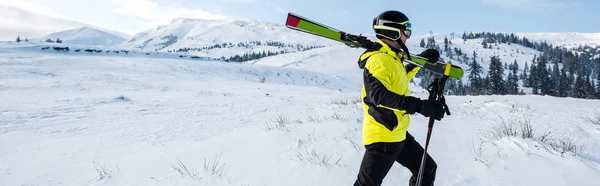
431, 55
434, 109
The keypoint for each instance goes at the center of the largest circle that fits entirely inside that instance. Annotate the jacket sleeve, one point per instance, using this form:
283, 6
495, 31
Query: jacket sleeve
377, 80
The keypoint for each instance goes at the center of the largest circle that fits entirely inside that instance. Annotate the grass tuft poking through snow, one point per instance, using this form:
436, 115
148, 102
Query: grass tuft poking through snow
567, 145
214, 167
337, 116
525, 130
279, 123
316, 158
104, 171
594, 120
122, 98
504, 129
515, 128
183, 170
346, 101
313, 117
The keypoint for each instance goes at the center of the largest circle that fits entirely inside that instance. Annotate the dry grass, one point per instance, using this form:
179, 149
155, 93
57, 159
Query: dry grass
347, 101
314, 157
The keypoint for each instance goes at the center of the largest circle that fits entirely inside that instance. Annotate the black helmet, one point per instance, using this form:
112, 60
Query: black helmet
390, 24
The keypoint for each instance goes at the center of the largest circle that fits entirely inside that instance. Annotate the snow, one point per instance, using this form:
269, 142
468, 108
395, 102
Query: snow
336, 60
507, 53
63, 122
198, 33
86, 36
567, 39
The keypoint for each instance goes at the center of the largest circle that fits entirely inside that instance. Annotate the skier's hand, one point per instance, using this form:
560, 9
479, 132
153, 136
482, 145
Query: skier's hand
433, 109
431, 55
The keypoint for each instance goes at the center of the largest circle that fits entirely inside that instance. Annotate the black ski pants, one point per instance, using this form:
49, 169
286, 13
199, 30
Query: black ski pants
379, 158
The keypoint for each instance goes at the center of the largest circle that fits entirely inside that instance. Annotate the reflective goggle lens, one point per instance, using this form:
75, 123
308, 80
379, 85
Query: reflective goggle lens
408, 31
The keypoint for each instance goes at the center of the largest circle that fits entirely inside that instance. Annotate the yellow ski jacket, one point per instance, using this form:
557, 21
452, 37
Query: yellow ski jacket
386, 101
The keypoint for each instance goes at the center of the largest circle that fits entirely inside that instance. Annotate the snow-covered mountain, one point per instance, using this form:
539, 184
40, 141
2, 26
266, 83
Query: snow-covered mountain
26, 24
212, 38
567, 39
86, 36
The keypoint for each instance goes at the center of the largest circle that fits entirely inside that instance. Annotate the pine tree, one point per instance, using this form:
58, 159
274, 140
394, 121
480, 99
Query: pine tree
598, 78
564, 85
475, 76
534, 79
589, 88
485, 44
431, 43
422, 44
496, 74
579, 90
598, 85
451, 86
555, 77
512, 84
460, 90
485, 85
446, 48
571, 79
524, 76
593, 90
545, 83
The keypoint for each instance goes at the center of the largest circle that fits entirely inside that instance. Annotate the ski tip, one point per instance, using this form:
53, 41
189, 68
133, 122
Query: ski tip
292, 20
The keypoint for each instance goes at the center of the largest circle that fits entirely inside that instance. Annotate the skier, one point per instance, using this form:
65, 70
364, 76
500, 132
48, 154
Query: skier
387, 104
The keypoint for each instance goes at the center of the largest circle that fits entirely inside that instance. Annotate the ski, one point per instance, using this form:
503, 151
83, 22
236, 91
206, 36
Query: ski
302, 24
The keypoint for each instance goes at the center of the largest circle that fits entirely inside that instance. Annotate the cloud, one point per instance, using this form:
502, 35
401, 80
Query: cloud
275, 7
529, 4
34, 7
152, 14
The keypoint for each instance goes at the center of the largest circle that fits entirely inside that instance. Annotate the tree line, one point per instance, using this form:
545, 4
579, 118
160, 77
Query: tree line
556, 72
249, 56
19, 39
249, 44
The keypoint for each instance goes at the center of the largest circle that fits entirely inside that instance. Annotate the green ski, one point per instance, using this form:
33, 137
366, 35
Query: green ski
302, 24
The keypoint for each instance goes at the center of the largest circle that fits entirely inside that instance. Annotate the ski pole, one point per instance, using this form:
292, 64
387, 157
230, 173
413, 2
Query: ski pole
436, 93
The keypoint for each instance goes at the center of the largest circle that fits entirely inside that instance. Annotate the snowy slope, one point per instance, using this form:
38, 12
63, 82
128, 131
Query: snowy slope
568, 39
337, 60
198, 33
507, 53
18, 22
68, 49
86, 36
63, 121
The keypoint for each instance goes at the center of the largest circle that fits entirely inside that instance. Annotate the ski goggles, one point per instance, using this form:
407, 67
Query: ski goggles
404, 27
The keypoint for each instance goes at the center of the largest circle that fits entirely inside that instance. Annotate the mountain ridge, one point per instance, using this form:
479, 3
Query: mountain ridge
86, 36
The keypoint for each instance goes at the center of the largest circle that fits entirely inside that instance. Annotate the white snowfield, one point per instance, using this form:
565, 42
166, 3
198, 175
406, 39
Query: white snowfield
569, 39
88, 119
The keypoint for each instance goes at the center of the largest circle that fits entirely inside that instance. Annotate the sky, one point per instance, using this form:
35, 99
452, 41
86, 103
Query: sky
439, 16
